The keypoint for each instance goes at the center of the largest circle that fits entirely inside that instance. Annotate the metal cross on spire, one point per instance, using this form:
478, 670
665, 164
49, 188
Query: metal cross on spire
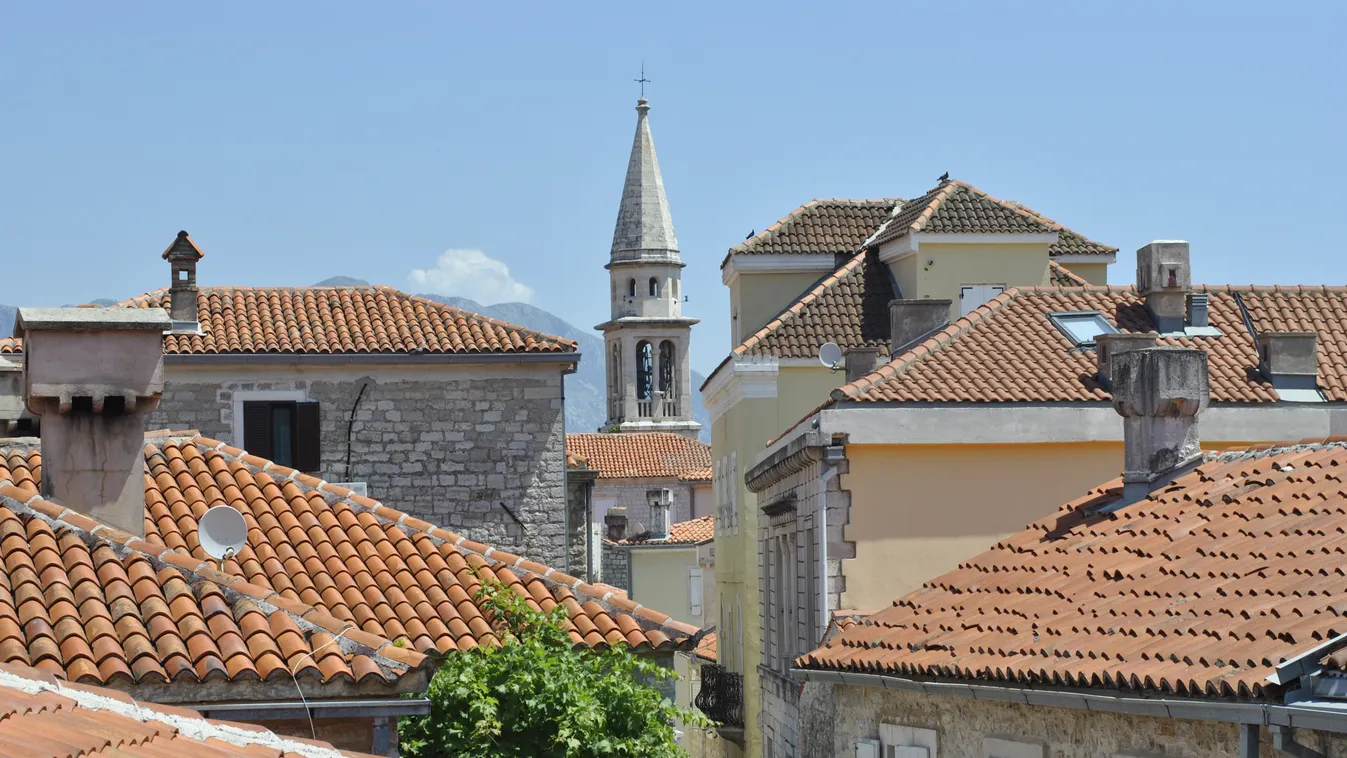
642, 81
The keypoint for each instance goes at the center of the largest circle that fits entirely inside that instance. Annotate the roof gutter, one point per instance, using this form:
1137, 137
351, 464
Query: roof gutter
229, 359
1272, 714
317, 709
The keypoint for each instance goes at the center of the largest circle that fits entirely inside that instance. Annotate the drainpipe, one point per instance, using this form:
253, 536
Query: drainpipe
1284, 741
832, 455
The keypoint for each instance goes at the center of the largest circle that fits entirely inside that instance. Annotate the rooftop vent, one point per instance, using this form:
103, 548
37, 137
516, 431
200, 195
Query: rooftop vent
1290, 361
1164, 279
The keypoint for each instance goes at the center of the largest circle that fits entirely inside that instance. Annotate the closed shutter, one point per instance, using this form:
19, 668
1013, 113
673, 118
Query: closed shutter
257, 429
695, 591
308, 435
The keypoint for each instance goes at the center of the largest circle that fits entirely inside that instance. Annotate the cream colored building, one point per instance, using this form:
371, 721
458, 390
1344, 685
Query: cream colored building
863, 274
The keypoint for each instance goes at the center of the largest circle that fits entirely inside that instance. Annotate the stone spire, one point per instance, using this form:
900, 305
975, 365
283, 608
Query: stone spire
644, 226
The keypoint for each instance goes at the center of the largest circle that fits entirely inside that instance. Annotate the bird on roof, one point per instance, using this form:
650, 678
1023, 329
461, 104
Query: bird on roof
944, 177
750, 234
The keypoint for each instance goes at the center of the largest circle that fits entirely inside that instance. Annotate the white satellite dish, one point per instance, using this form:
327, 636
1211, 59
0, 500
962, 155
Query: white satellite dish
829, 354
222, 532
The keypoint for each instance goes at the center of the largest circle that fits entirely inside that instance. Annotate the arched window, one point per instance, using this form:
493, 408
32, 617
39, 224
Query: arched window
666, 368
631, 287
645, 370
654, 287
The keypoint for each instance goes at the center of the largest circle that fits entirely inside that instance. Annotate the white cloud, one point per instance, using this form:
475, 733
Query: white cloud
471, 274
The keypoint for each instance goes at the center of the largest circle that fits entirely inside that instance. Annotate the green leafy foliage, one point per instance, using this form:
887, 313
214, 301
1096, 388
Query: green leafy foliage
535, 694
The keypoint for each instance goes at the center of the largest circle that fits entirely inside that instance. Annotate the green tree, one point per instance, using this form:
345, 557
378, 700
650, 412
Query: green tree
535, 694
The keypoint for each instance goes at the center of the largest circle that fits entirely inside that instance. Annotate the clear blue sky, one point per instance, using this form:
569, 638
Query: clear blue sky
298, 141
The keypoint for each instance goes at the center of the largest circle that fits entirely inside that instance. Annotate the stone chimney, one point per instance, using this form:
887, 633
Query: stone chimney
92, 375
910, 320
1159, 392
1165, 279
1109, 345
1289, 360
661, 506
860, 361
11, 396
182, 256
616, 521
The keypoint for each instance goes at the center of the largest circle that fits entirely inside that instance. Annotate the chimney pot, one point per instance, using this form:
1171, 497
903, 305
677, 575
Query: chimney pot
616, 521
182, 256
1164, 279
1159, 392
93, 375
911, 320
1290, 360
661, 504
1109, 345
860, 361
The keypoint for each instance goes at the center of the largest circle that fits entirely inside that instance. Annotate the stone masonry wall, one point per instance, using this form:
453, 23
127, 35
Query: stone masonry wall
631, 493
777, 716
833, 717
457, 452
579, 532
616, 568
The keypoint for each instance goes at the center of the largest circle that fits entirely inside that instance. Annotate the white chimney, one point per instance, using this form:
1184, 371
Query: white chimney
661, 504
1164, 279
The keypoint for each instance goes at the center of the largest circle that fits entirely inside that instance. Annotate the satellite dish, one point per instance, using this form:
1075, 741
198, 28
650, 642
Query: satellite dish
829, 354
222, 532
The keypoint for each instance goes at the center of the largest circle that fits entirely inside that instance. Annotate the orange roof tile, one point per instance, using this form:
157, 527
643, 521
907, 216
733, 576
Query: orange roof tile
689, 532
707, 649
967, 361
834, 226
42, 718
336, 320
340, 561
1201, 589
643, 455
1060, 276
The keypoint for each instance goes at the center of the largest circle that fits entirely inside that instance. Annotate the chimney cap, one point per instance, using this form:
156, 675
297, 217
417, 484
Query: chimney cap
183, 247
92, 319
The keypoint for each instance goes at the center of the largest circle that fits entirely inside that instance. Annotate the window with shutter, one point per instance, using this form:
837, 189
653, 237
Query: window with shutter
907, 741
695, 591
257, 429
284, 431
308, 438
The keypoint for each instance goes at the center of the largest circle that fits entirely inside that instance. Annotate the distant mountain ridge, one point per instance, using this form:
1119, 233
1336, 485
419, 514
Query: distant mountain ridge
586, 389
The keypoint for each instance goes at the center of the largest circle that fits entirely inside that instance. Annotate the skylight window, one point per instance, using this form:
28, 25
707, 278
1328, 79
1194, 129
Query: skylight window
1082, 327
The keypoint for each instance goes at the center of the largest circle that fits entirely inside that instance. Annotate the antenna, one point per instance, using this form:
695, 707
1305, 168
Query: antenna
222, 533
830, 355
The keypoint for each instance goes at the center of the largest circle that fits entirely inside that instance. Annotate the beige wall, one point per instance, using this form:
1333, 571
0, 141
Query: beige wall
703, 500
757, 298
659, 579
917, 511
1094, 273
937, 270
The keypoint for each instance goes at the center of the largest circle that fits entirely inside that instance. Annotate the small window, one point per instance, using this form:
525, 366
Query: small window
285, 432
1082, 327
654, 287
631, 288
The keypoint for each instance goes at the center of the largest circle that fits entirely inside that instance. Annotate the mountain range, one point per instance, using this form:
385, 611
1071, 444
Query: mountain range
586, 392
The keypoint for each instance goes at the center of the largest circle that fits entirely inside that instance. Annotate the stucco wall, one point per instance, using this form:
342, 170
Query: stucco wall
757, 298
918, 510
1094, 273
833, 717
659, 580
447, 444
937, 270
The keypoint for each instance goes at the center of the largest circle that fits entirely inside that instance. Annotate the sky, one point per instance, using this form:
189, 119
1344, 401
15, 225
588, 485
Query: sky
479, 149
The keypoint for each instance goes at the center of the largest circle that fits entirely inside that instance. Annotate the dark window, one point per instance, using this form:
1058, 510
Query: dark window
654, 287
666, 368
283, 431
631, 288
645, 370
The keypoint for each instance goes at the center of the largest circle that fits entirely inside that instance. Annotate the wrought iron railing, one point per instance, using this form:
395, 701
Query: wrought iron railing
721, 696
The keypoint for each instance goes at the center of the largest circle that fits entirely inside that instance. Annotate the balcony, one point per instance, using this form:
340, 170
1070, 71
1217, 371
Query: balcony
721, 698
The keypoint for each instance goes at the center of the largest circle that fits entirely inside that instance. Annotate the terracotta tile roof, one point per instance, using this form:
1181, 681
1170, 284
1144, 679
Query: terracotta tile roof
968, 361
1059, 276
92, 604
43, 718
1200, 590
336, 320
825, 225
311, 545
691, 532
576, 461
642, 455
707, 649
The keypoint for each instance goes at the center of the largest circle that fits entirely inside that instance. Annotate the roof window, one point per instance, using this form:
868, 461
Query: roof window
1082, 326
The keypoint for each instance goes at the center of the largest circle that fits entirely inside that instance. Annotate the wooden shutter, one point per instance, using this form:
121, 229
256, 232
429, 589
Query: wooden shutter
695, 591
308, 436
257, 429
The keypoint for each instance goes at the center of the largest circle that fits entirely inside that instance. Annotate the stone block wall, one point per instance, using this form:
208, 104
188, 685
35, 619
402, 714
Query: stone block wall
832, 717
579, 528
777, 717
483, 456
631, 494
616, 568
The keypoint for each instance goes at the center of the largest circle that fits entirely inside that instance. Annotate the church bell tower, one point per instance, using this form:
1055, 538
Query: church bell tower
646, 339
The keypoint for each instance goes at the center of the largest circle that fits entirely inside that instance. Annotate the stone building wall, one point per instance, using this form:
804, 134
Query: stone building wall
616, 568
480, 451
631, 494
580, 532
832, 717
